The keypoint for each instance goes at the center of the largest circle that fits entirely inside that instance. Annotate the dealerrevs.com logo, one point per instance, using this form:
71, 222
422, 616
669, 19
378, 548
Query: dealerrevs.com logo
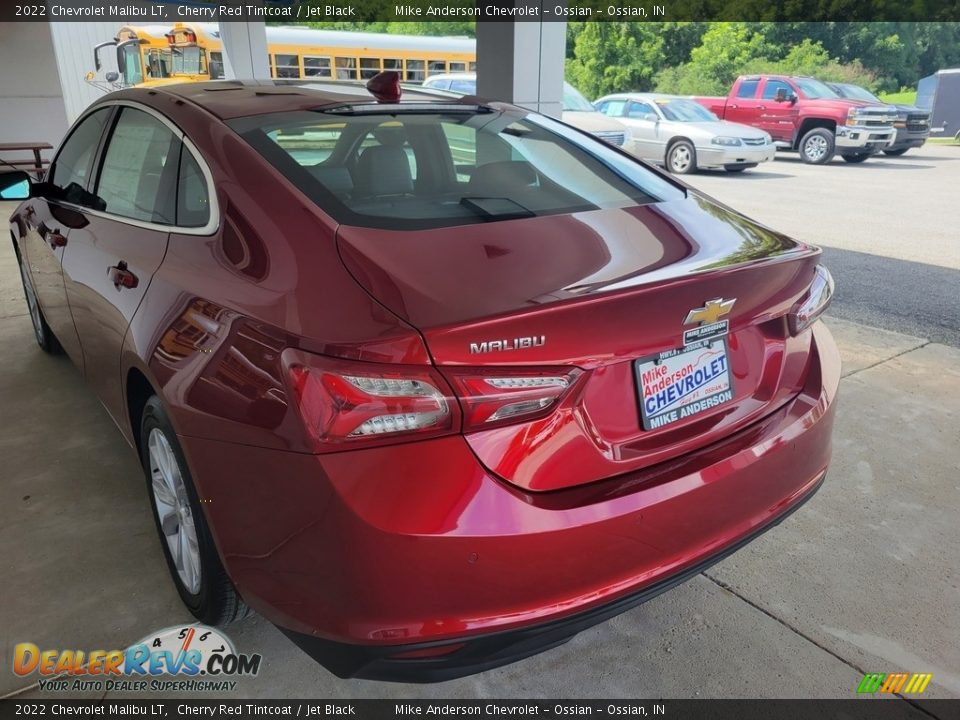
177, 659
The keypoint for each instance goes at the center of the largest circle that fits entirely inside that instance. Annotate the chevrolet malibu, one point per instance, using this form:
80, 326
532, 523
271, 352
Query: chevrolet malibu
432, 385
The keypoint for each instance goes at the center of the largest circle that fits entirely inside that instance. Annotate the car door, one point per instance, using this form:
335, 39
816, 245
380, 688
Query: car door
644, 122
113, 258
777, 118
744, 105
49, 220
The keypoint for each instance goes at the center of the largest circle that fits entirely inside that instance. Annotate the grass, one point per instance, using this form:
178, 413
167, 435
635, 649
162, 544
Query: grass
943, 141
907, 97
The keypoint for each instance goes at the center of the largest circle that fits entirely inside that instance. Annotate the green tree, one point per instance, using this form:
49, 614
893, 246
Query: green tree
614, 57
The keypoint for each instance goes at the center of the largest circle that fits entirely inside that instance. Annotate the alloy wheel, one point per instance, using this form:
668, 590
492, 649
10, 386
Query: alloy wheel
815, 148
680, 158
174, 510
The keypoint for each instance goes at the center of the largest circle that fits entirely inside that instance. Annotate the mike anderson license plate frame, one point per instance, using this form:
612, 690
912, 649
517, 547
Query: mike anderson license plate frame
680, 383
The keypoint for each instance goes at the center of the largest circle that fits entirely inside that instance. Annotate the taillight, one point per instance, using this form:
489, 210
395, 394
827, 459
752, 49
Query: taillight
344, 403
491, 397
813, 303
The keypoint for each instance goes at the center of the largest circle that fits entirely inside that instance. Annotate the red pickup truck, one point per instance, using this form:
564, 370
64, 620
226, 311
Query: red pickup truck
803, 114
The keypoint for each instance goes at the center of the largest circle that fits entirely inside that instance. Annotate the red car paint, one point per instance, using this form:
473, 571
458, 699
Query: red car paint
379, 546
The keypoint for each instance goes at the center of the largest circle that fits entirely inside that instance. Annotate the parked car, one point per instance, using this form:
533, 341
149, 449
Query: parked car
912, 123
685, 136
804, 114
940, 94
577, 110
430, 383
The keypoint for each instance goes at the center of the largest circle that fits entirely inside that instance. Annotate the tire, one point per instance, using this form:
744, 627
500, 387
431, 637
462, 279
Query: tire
858, 158
895, 153
818, 146
41, 331
681, 158
188, 546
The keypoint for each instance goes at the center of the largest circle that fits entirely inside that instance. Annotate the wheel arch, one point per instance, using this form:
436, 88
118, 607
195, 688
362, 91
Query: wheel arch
673, 141
809, 123
138, 389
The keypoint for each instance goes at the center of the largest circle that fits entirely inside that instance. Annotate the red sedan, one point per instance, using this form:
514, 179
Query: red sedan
430, 383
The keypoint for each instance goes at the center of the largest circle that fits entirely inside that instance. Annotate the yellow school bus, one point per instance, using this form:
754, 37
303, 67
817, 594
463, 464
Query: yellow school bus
145, 56
194, 51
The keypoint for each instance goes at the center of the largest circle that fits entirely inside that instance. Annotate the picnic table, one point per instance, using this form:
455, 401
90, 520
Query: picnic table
37, 163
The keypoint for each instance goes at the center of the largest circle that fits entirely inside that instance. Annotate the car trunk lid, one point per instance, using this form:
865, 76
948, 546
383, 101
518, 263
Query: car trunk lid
606, 291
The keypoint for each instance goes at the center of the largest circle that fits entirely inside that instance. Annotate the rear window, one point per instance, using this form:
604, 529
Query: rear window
423, 169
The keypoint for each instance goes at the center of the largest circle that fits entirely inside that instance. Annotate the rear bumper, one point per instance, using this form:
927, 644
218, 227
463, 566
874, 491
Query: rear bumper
360, 556
484, 652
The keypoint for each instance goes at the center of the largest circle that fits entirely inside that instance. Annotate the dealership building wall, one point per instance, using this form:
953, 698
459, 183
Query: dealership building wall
42, 68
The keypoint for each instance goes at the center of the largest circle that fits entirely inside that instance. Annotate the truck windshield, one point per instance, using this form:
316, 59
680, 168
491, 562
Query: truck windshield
685, 111
424, 168
814, 89
855, 92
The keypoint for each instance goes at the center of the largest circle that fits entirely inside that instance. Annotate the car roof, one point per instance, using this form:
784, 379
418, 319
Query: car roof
229, 99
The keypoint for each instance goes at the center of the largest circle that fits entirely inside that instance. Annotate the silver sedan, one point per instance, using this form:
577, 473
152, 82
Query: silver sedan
683, 135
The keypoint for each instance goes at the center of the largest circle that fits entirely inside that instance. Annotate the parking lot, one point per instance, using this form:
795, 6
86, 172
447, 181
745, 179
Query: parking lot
862, 579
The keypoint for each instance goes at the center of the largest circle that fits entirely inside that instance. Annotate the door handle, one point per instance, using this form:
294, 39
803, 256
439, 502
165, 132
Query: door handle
761, 107
734, 107
122, 277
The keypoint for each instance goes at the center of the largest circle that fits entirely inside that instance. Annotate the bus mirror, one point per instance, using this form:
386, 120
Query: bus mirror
112, 77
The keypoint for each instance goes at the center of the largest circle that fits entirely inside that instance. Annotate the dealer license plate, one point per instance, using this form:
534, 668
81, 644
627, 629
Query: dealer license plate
680, 383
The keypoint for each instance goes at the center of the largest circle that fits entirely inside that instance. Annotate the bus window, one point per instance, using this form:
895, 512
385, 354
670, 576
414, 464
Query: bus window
158, 63
132, 65
437, 67
216, 65
317, 67
346, 68
288, 66
416, 70
458, 67
189, 61
393, 64
473, 67
369, 67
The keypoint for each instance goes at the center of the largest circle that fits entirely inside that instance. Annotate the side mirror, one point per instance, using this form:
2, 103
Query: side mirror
793, 98
15, 185
112, 76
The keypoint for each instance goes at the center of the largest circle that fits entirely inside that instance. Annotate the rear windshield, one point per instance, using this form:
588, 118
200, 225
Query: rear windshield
422, 169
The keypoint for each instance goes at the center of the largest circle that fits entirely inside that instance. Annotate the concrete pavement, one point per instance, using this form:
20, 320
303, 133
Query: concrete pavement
863, 578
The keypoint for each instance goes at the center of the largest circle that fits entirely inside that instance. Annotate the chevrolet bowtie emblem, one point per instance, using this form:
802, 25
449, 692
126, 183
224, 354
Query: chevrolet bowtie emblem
712, 311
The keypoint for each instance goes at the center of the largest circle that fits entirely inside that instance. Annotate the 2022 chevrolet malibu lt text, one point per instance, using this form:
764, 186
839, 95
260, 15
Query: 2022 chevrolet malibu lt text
430, 384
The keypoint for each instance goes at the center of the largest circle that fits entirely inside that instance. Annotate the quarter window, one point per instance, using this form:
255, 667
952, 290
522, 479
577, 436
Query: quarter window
139, 169
193, 201
71, 169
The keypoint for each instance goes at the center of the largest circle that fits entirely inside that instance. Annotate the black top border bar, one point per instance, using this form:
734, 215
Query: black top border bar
297, 11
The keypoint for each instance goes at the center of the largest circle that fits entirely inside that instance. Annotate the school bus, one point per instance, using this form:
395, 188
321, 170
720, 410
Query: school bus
186, 52
145, 56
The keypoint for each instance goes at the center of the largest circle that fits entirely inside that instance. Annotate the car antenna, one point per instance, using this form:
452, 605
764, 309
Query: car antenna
385, 86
